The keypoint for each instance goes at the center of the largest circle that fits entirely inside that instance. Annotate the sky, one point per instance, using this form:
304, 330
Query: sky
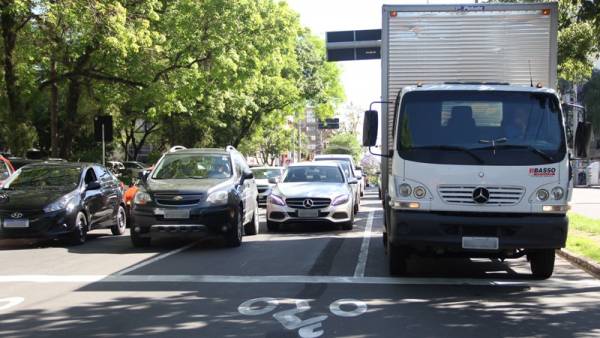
361, 79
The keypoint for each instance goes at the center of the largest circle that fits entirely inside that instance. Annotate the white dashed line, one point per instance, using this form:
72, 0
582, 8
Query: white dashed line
359, 271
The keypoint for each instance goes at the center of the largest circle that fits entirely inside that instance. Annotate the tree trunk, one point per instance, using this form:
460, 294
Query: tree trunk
9, 36
53, 110
73, 95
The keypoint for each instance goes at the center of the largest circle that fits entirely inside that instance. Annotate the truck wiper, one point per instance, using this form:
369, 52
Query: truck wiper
452, 148
520, 146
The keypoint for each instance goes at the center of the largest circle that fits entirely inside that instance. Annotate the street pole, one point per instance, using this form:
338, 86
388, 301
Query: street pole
103, 147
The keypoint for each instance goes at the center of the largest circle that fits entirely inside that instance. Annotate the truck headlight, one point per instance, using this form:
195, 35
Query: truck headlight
404, 189
420, 192
558, 193
542, 194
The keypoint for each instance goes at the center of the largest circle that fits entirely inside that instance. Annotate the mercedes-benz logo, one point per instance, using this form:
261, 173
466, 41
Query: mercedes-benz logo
16, 215
308, 203
3, 198
481, 195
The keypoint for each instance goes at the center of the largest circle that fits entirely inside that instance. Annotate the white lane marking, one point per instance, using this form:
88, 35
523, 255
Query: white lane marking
9, 302
293, 279
156, 259
248, 308
360, 307
359, 271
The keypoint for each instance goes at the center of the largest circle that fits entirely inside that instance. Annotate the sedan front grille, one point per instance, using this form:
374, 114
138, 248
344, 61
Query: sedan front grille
463, 194
299, 203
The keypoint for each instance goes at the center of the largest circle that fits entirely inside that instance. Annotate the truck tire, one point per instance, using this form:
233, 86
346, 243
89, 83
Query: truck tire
397, 258
272, 226
139, 242
542, 263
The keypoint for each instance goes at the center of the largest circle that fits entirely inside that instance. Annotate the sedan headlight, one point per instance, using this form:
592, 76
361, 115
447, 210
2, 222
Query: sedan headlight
141, 198
218, 197
62, 203
341, 199
277, 200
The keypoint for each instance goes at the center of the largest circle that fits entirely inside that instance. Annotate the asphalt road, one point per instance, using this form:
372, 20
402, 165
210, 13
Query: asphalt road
301, 282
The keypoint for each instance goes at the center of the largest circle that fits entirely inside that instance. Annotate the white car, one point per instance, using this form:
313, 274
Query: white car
312, 192
349, 170
261, 177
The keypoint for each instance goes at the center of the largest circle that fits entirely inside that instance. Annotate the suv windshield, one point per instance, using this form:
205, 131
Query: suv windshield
265, 173
197, 166
314, 174
44, 177
478, 127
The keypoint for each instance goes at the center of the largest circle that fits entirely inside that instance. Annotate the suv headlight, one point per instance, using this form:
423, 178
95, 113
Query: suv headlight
141, 198
218, 197
64, 202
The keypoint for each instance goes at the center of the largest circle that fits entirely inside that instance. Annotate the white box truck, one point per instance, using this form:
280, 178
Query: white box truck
475, 161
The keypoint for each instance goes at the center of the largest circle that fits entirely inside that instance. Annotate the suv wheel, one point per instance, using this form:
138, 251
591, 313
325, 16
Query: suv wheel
233, 237
119, 228
252, 227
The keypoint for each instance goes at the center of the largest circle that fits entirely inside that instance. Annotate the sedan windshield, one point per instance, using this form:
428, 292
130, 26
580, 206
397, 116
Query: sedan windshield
197, 166
265, 173
54, 177
314, 174
479, 127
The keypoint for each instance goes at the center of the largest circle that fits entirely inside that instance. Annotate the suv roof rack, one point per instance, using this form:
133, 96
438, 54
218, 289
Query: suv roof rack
478, 83
176, 148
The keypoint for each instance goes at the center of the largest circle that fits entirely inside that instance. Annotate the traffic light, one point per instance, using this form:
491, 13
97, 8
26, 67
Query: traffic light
330, 124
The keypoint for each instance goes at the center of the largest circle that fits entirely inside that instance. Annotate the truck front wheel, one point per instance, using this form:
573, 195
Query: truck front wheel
542, 263
397, 257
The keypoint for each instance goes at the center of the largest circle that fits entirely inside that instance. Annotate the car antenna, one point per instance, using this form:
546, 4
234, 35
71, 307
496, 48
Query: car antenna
530, 77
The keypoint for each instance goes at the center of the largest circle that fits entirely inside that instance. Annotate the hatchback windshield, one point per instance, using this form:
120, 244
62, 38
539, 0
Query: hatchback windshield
44, 177
198, 166
314, 174
262, 173
477, 127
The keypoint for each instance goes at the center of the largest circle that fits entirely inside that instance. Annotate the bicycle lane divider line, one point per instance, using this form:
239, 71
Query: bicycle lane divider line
359, 271
155, 259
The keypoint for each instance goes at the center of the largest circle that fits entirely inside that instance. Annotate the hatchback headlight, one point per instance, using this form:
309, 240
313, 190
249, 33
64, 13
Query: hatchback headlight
64, 202
218, 197
141, 198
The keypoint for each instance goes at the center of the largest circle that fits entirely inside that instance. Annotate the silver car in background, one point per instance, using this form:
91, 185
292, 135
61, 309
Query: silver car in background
261, 177
316, 192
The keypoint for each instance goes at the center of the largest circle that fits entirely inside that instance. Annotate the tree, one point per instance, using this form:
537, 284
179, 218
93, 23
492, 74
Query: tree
344, 143
591, 99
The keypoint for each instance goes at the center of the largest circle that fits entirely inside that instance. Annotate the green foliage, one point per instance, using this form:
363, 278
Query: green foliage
585, 224
344, 143
584, 246
591, 99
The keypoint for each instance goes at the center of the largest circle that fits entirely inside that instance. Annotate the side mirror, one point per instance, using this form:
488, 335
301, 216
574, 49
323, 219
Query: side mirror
143, 175
353, 181
273, 180
583, 138
370, 128
93, 186
248, 174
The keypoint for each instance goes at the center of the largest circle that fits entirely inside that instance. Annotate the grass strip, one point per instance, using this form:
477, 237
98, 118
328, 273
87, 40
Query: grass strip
584, 247
585, 224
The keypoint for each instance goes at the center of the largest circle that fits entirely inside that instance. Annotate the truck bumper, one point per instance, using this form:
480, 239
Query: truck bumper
430, 230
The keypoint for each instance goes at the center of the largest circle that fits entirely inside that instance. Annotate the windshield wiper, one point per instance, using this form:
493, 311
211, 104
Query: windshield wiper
520, 146
197, 177
453, 148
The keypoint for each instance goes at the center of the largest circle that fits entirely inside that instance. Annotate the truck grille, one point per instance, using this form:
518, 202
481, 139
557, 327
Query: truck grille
175, 199
298, 203
463, 194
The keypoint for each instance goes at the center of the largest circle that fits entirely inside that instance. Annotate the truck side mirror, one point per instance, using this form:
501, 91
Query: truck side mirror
370, 128
583, 138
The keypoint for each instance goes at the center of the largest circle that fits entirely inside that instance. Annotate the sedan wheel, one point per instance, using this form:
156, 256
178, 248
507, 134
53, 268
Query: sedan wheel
79, 233
119, 228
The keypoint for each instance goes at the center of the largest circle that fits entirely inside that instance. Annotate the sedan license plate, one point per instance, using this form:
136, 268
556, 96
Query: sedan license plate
177, 214
15, 223
308, 213
480, 243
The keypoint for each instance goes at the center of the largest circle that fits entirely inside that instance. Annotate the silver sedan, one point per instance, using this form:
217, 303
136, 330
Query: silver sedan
312, 192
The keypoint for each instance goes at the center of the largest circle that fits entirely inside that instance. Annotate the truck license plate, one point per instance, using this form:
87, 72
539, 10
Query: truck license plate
480, 243
15, 223
308, 213
177, 214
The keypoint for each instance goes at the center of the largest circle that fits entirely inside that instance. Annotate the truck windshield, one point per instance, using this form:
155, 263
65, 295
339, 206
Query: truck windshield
480, 127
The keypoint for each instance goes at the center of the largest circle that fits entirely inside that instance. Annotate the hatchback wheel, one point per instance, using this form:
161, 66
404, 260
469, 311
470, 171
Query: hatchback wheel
119, 228
79, 233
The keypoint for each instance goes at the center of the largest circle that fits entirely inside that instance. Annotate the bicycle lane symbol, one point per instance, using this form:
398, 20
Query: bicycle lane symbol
307, 328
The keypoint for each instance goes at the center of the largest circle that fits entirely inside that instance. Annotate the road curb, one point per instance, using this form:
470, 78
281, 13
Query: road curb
581, 262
